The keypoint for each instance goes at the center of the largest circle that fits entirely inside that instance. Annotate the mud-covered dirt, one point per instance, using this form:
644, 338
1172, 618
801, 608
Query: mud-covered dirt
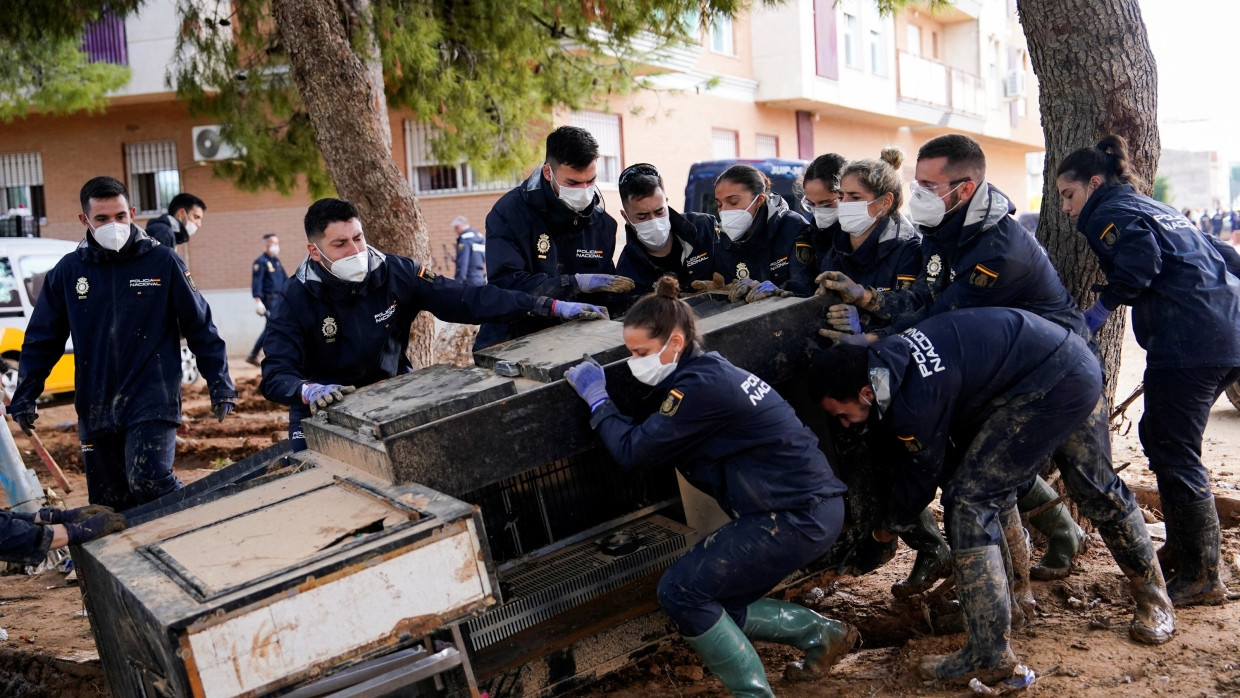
1078, 642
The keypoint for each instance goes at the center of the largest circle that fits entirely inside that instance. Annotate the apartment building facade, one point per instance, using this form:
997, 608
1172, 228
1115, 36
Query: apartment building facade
794, 81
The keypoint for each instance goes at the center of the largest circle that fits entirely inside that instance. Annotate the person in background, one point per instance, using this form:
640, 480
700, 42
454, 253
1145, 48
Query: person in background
471, 253
183, 219
819, 187
267, 279
26, 539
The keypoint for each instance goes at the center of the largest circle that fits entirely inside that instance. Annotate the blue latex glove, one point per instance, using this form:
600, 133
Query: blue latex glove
319, 396
844, 318
94, 527
588, 380
741, 288
1095, 316
860, 340
766, 289
603, 283
222, 408
567, 310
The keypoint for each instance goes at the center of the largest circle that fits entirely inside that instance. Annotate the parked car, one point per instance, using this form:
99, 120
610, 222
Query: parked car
24, 263
783, 173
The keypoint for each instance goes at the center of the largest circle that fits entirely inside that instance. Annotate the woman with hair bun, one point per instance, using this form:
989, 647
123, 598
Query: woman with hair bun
1186, 315
736, 439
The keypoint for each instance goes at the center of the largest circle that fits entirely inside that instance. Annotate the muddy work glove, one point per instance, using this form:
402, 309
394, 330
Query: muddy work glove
319, 396
844, 318
567, 310
588, 380
603, 283
1095, 317
715, 284
96, 526
25, 420
222, 409
741, 288
52, 515
850, 291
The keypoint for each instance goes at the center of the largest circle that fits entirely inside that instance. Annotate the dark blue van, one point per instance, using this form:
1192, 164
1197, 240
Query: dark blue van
784, 174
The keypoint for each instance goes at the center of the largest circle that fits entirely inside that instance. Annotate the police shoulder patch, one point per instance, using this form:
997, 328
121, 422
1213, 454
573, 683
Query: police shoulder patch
256, 267
911, 443
427, 274
190, 279
671, 403
983, 277
805, 253
1109, 236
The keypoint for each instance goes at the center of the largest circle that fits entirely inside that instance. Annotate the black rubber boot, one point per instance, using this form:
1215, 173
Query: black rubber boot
1195, 530
1016, 560
824, 640
727, 652
1168, 554
1128, 539
982, 585
1062, 534
934, 557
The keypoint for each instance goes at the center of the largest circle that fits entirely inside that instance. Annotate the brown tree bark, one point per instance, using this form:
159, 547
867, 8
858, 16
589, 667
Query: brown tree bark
344, 95
1096, 76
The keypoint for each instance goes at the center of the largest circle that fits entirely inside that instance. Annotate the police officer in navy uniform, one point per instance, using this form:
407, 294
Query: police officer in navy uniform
183, 219
551, 237
736, 439
659, 239
759, 235
345, 314
126, 301
974, 254
26, 539
1186, 315
267, 278
819, 188
471, 253
979, 399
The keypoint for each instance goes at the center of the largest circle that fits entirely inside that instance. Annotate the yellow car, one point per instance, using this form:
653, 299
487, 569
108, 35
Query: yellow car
24, 262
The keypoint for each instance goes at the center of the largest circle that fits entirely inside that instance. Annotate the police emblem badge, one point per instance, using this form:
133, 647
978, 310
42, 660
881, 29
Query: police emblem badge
742, 270
82, 287
543, 246
329, 327
934, 267
671, 403
805, 253
983, 277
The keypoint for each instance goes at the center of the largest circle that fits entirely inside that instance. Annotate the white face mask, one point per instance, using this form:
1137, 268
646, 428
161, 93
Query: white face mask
191, 227
352, 268
925, 207
855, 217
735, 223
274, 250
650, 369
576, 198
825, 217
654, 232
111, 236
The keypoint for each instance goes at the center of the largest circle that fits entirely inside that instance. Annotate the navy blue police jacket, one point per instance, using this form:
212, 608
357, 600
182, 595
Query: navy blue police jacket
471, 258
267, 276
981, 257
1185, 304
697, 236
729, 434
126, 312
166, 230
943, 378
332, 331
890, 258
536, 243
769, 251
23, 542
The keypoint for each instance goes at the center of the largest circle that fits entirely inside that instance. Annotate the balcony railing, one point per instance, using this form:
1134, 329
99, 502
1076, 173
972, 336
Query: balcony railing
939, 85
104, 41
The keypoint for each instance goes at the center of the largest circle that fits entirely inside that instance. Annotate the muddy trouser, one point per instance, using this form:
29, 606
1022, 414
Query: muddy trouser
296, 436
132, 466
1084, 461
742, 561
1177, 406
1008, 450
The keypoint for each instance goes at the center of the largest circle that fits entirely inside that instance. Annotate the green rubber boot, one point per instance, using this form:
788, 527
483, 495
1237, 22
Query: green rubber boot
1063, 535
1128, 539
934, 557
824, 640
1194, 528
981, 582
727, 652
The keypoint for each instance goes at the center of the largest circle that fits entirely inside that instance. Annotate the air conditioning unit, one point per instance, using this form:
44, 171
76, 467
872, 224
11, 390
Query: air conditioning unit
209, 146
1014, 85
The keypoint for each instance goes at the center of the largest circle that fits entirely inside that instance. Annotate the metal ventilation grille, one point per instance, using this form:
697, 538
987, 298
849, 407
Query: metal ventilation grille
543, 588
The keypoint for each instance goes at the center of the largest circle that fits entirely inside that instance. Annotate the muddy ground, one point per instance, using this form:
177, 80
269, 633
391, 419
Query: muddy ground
1078, 643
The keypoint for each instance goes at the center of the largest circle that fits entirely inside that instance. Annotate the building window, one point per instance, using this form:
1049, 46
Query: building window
912, 39
606, 130
153, 176
878, 53
21, 194
826, 53
104, 40
428, 176
852, 41
723, 143
766, 146
721, 36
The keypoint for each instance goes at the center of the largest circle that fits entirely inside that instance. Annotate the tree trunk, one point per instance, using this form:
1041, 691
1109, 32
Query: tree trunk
345, 98
1096, 76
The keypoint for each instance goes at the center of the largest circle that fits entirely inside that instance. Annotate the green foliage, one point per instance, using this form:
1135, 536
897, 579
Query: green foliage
487, 74
1162, 189
889, 7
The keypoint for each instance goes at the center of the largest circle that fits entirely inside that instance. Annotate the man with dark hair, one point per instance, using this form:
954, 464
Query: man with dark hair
125, 301
659, 240
471, 253
184, 217
267, 278
975, 254
551, 237
979, 399
345, 316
